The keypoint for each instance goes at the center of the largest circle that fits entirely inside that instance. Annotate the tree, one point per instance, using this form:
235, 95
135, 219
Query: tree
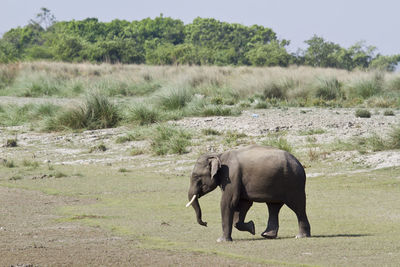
44, 19
69, 48
271, 54
386, 63
321, 53
8, 52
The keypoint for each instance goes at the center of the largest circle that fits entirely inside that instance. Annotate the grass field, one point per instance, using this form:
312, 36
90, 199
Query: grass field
134, 172
354, 217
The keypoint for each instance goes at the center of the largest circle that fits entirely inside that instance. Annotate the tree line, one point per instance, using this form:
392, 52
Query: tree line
167, 41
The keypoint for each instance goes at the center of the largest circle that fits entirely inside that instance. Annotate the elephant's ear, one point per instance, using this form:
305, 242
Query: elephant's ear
215, 164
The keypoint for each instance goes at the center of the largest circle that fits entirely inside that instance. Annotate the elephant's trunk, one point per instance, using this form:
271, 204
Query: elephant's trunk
195, 204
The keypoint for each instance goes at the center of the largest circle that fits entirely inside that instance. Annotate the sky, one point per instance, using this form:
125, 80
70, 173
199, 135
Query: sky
344, 22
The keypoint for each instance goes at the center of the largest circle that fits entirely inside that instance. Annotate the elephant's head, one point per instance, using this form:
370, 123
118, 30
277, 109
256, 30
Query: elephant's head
203, 180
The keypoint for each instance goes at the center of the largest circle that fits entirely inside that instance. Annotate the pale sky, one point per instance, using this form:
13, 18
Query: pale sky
341, 21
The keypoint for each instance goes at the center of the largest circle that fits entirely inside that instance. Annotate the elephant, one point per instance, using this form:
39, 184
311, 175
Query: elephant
250, 174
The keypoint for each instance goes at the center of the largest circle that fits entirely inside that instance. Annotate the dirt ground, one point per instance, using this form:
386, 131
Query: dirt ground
31, 236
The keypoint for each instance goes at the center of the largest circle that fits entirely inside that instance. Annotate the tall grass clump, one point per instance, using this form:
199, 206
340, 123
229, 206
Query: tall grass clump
100, 112
275, 90
13, 115
8, 73
328, 88
394, 84
97, 113
366, 88
175, 99
115, 87
43, 86
218, 110
394, 138
168, 139
382, 101
145, 114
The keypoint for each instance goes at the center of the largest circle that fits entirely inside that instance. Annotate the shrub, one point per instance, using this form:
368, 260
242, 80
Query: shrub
388, 113
11, 143
59, 174
209, 131
363, 113
98, 148
169, 140
261, 105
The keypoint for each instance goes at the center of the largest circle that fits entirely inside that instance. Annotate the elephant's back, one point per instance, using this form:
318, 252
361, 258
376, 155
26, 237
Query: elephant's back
267, 169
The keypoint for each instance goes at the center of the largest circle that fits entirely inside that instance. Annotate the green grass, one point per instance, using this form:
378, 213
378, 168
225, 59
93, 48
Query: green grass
328, 89
312, 131
349, 226
374, 142
13, 115
279, 142
366, 88
218, 110
363, 113
168, 139
210, 131
175, 99
144, 114
97, 113
388, 113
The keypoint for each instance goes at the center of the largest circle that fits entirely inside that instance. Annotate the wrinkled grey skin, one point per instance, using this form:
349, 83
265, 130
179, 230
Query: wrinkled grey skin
251, 174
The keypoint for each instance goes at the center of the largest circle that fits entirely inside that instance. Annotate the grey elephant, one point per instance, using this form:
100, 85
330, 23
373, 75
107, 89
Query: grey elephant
246, 175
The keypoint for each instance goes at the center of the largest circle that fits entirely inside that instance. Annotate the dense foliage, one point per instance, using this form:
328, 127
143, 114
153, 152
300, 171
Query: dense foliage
164, 41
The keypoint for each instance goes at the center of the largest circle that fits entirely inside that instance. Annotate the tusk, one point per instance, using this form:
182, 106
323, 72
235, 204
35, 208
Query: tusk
191, 201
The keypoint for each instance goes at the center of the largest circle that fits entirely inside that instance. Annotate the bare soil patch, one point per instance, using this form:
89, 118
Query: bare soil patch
31, 236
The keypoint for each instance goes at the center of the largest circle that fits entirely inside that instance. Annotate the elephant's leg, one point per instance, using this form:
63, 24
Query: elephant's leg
299, 207
227, 220
273, 220
240, 215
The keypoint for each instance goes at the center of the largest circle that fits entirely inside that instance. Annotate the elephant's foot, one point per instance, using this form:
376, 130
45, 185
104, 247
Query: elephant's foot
252, 228
270, 234
303, 235
248, 227
224, 239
